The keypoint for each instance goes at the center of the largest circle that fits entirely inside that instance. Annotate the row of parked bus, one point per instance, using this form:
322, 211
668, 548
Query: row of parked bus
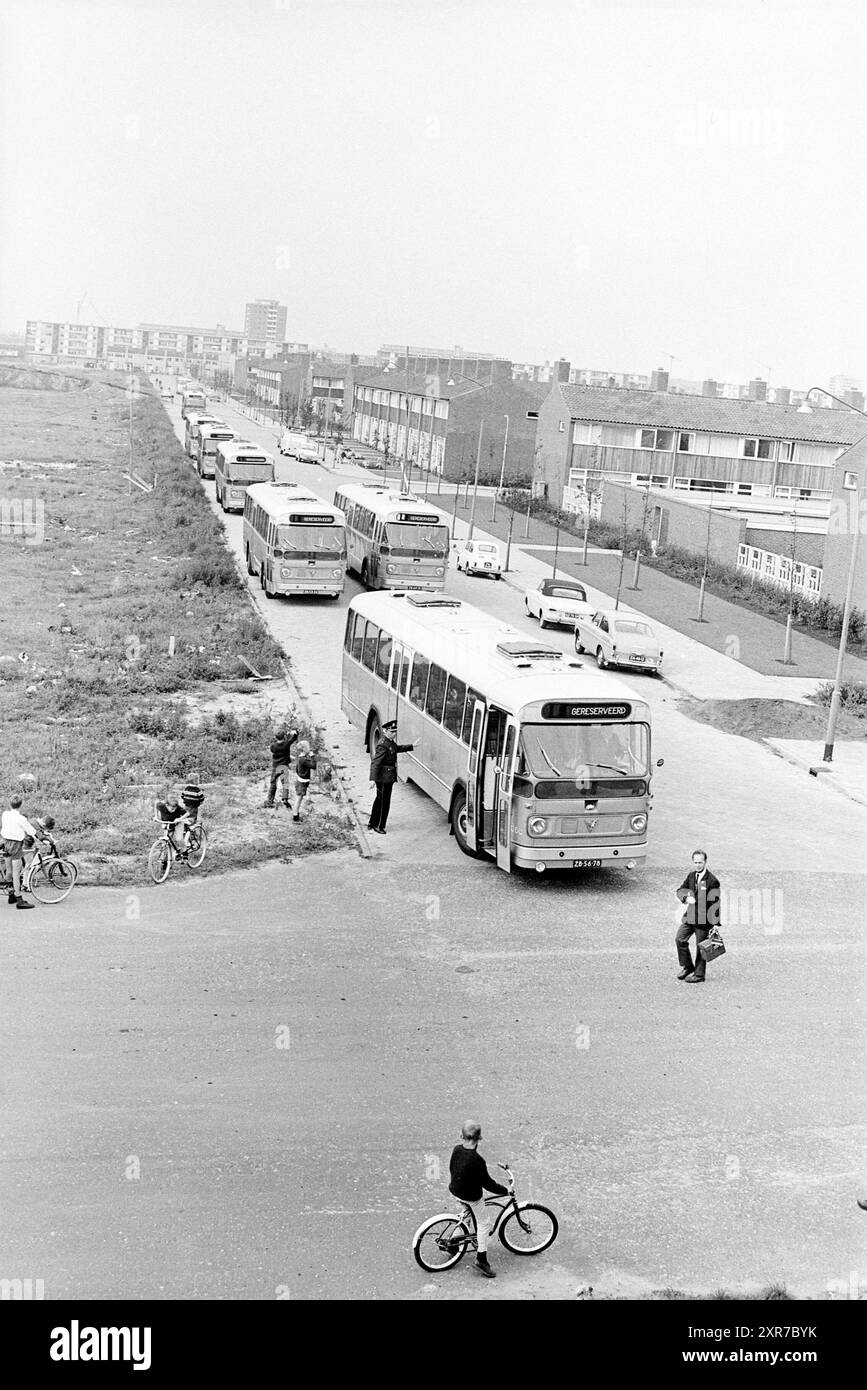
539, 760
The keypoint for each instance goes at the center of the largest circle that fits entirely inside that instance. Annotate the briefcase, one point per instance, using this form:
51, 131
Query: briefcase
713, 945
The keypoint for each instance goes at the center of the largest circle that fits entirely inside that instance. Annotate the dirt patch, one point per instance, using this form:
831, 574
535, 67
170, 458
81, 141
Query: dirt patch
761, 719
124, 666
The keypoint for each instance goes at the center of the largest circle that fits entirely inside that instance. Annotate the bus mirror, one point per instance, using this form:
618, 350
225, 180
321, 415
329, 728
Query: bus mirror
660, 761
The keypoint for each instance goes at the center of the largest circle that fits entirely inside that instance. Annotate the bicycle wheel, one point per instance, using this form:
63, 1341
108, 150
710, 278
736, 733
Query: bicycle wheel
53, 880
431, 1243
530, 1230
160, 860
198, 846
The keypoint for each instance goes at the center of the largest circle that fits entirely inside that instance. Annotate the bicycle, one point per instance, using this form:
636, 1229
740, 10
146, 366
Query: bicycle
441, 1242
48, 876
164, 851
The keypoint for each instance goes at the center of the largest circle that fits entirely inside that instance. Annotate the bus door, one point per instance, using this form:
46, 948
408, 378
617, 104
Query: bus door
475, 766
503, 818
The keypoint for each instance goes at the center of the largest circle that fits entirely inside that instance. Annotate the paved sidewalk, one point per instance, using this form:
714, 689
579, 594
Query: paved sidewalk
847, 773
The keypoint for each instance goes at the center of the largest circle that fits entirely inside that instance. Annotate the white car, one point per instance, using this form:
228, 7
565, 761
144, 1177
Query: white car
557, 601
480, 557
619, 639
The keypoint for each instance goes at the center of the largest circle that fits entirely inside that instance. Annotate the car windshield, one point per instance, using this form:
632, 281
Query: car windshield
581, 752
641, 629
429, 539
490, 548
311, 540
565, 591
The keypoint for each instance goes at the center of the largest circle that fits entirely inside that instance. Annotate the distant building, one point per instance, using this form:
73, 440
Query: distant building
265, 324
444, 362
434, 420
147, 347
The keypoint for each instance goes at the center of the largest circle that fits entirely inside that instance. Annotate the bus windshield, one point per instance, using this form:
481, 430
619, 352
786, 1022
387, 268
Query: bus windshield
248, 471
411, 538
310, 541
581, 752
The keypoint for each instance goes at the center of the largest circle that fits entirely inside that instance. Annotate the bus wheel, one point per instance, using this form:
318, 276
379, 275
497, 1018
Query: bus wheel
250, 569
374, 734
600, 659
458, 818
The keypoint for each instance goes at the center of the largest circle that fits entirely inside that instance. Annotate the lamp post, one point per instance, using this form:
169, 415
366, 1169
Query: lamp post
851, 483
502, 470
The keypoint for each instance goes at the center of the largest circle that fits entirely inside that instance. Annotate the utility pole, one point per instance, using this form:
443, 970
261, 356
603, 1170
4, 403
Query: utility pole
556, 545
502, 470
509, 539
701, 618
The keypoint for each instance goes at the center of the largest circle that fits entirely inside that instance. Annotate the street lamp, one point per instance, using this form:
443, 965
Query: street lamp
850, 484
502, 470
479, 386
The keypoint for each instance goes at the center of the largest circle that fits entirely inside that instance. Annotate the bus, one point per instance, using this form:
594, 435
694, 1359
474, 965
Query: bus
237, 463
193, 399
191, 431
539, 760
294, 541
209, 437
395, 541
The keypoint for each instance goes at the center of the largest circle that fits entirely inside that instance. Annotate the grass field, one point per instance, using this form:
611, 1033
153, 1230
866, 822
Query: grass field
121, 638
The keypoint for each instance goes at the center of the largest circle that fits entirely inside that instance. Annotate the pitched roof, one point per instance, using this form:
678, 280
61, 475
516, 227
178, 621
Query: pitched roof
717, 415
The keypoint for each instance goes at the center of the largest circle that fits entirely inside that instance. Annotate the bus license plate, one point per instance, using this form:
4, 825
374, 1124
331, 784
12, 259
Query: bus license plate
586, 863
636, 658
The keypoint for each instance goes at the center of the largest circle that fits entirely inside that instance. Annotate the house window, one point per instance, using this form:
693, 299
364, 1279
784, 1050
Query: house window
685, 443
662, 440
758, 448
786, 451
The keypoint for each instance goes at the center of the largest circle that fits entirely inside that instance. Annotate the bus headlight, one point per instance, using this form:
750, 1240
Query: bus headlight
286, 574
638, 823
439, 570
391, 569
335, 574
537, 825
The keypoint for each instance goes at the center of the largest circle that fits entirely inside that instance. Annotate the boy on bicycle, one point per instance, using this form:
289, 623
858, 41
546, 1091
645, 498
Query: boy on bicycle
469, 1180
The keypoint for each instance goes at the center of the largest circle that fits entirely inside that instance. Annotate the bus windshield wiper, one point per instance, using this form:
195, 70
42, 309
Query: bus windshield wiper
606, 767
555, 770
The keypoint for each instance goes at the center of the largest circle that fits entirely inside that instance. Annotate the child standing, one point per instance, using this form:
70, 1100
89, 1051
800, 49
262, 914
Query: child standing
305, 766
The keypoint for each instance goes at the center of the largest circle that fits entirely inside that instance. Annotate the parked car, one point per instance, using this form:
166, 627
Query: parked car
558, 601
619, 639
307, 453
286, 447
480, 557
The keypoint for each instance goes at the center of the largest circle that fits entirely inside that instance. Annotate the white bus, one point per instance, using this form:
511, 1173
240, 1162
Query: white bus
193, 399
294, 541
191, 430
237, 464
209, 438
540, 761
395, 540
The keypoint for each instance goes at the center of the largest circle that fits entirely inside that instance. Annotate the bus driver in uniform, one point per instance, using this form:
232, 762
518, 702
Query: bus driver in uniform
383, 774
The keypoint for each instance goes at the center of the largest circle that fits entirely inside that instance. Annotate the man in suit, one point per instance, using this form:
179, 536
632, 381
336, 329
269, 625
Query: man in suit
700, 891
383, 774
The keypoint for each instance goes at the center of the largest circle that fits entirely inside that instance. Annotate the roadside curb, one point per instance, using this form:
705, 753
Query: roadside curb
806, 767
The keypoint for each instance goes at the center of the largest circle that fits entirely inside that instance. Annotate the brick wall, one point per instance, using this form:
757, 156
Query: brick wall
674, 521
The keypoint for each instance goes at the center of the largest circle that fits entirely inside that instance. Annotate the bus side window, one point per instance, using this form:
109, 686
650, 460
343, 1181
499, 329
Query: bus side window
474, 739
383, 656
358, 637
507, 759
350, 625
395, 665
436, 693
404, 671
472, 697
371, 637
418, 683
453, 714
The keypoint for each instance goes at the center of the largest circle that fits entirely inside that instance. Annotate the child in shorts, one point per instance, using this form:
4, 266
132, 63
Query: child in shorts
305, 766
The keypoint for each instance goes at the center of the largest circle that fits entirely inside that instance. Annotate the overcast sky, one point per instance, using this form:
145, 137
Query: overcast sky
611, 182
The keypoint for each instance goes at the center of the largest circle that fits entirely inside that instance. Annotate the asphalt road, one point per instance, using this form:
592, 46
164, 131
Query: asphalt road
249, 1086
